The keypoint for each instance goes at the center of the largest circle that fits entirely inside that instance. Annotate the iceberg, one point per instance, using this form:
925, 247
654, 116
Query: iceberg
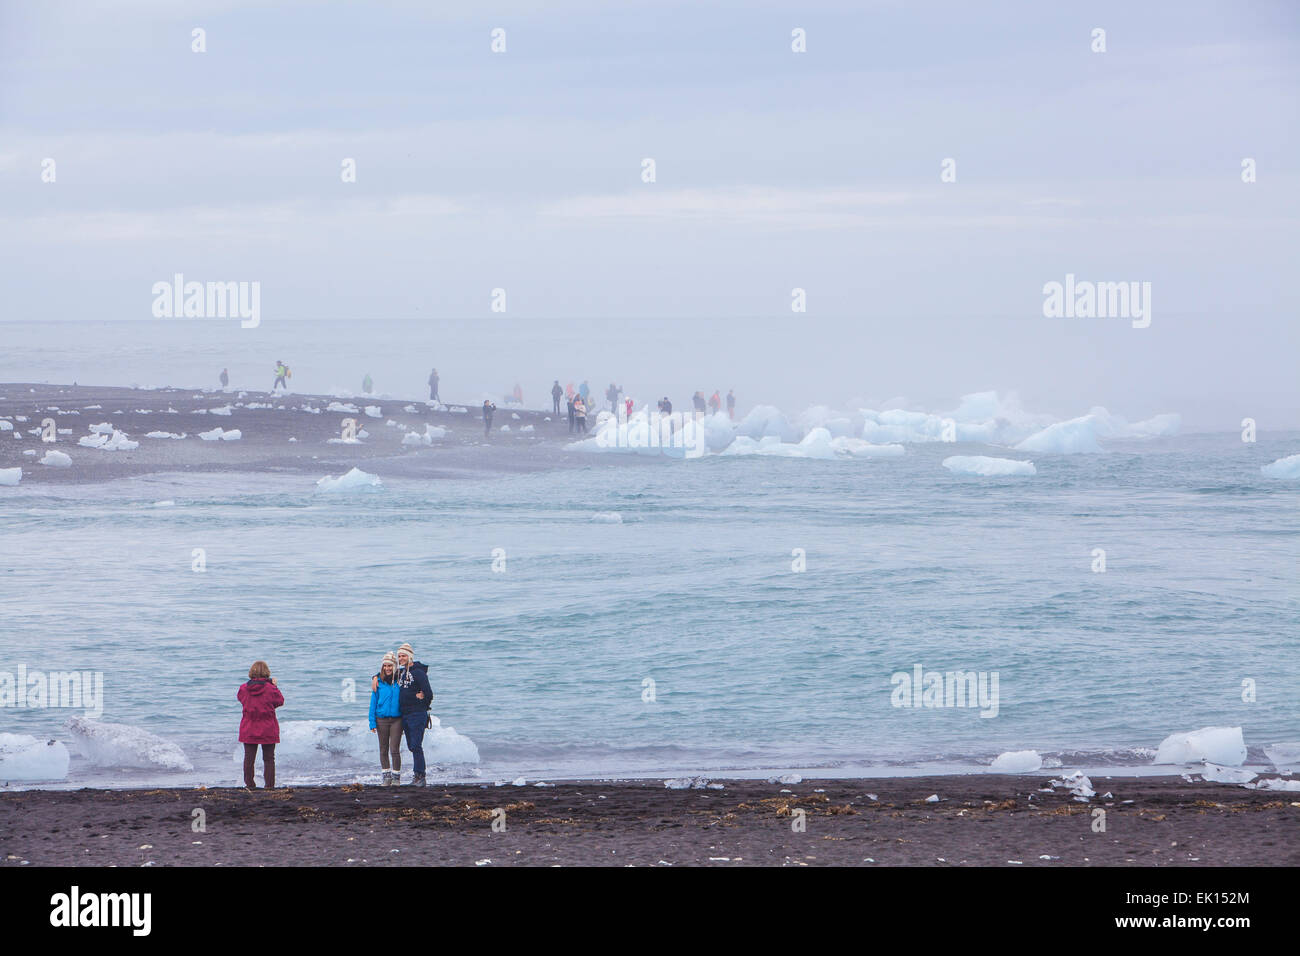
354, 480
988, 467
1221, 745
117, 441
10, 476
124, 746
1287, 469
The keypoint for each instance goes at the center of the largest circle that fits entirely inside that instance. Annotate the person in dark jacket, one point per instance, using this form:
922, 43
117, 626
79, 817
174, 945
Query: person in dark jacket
386, 718
415, 699
556, 394
433, 386
572, 412
260, 697
488, 409
225, 377
731, 403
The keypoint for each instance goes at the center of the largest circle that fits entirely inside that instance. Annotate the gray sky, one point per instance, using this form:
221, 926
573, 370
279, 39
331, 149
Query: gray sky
818, 170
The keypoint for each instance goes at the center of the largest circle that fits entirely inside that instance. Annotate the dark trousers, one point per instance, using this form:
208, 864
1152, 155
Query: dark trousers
389, 731
571, 420
487, 426
279, 380
433, 393
413, 724
581, 422
557, 406
268, 765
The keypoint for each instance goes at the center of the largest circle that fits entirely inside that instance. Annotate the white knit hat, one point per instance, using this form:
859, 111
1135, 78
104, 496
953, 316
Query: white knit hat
389, 658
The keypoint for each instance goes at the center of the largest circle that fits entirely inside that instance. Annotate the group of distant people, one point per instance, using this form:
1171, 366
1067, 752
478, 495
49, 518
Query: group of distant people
400, 699
576, 401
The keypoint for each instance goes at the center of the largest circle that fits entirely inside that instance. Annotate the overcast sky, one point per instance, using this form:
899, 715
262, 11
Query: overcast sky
774, 170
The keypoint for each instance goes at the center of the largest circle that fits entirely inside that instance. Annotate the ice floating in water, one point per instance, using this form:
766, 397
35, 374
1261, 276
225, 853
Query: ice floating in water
354, 480
6, 426
163, 435
103, 428
224, 410
1080, 435
528, 428
26, 759
56, 459
1287, 468
124, 746
1018, 761
988, 467
1221, 745
374, 411
10, 476
607, 517
309, 744
219, 434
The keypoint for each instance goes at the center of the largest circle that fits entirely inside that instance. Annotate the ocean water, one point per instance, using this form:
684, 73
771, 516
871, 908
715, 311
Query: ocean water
543, 664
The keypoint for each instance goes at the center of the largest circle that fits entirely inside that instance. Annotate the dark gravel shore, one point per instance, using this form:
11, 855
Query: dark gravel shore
980, 820
264, 445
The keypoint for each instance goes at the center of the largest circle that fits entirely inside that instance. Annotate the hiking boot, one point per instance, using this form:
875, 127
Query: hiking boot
387, 781
417, 780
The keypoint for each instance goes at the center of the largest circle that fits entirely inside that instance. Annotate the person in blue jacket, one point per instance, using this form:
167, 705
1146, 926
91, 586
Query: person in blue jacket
386, 718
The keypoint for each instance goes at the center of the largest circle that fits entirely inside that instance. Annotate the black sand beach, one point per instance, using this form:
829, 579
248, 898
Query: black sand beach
981, 820
264, 445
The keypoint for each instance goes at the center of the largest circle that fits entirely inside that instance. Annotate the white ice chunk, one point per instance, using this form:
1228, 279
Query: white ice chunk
607, 517
374, 411
10, 476
1285, 756
57, 459
26, 759
1221, 745
354, 480
988, 467
1018, 761
1287, 468
115, 746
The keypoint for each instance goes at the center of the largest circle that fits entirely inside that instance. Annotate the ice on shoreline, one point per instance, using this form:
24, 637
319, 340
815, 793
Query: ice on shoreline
1018, 761
1217, 745
10, 476
56, 459
125, 746
220, 434
26, 759
309, 744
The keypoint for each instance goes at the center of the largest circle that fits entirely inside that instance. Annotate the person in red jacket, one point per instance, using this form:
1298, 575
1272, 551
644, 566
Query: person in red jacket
260, 696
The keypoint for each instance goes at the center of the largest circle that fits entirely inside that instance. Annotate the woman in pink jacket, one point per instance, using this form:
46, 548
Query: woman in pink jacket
260, 696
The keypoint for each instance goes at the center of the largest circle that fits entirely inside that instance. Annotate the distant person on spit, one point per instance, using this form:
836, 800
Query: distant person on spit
258, 726
225, 378
282, 373
572, 422
518, 394
433, 387
415, 700
367, 384
386, 718
556, 394
580, 414
488, 409
731, 403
